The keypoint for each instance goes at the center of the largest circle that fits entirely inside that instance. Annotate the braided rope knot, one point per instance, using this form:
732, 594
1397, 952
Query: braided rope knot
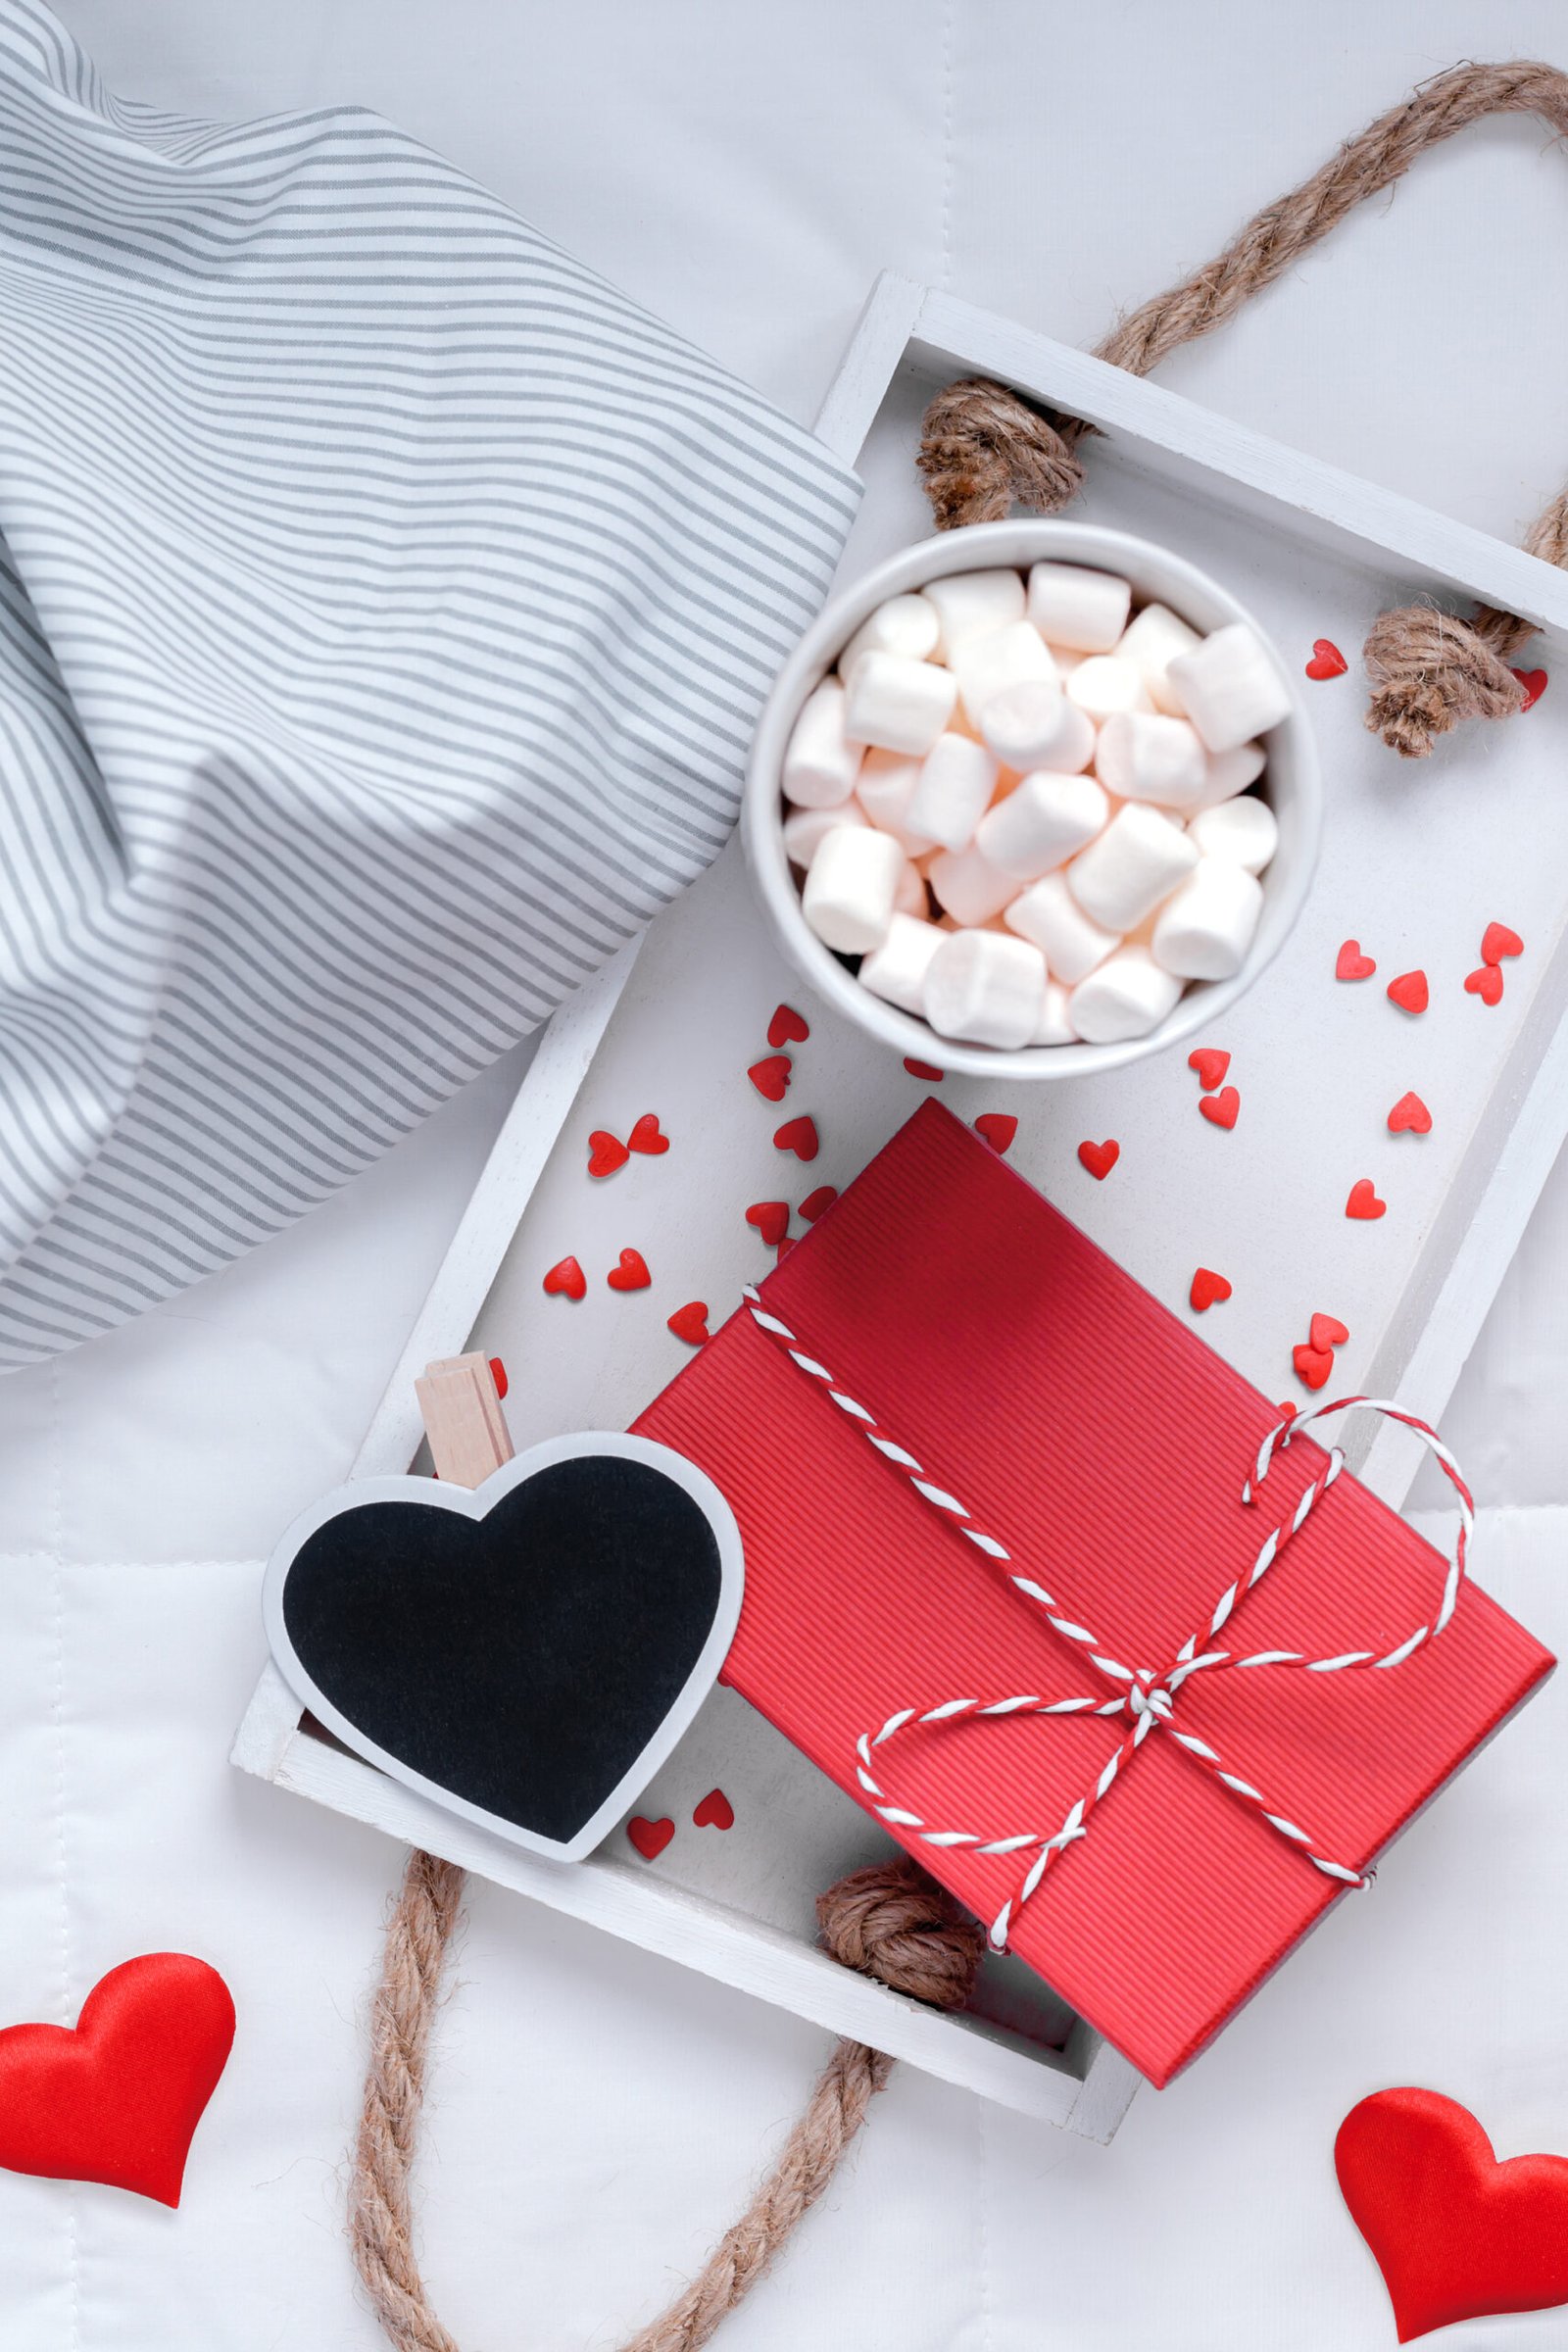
1146, 1700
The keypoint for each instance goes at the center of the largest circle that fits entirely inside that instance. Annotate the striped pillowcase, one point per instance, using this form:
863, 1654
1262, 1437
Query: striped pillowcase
385, 607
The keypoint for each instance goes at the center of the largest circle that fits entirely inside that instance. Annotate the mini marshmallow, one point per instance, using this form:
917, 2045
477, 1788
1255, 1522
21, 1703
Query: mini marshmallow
850, 887
909, 896
988, 664
1231, 687
820, 767
1204, 929
896, 704
904, 624
805, 829
1050, 919
1153, 641
1122, 876
969, 603
897, 969
1055, 1025
970, 887
1127, 996
1033, 726
1047, 820
985, 986
1104, 684
1072, 606
1227, 773
1242, 832
884, 789
1143, 756
952, 792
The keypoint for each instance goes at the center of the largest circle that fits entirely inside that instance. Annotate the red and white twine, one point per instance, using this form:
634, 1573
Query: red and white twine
1146, 1697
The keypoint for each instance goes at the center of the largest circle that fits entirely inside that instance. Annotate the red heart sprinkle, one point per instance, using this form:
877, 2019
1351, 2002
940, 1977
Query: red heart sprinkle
645, 1137
797, 1135
631, 1274
649, 1838
1327, 659
1497, 940
1327, 1330
1534, 682
1352, 964
605, 1153
771, 1075
788, 1027
924, 1069
566, 1281
1410, 1114
999, 1127
1363, 1201
1099, 1158
771, 1220
1409, 991
690, 1322
813, 1205
1208, 1289
1221, 1110
1485, 982
1312, 1365
1210, 1064
716, 1812
498, 1373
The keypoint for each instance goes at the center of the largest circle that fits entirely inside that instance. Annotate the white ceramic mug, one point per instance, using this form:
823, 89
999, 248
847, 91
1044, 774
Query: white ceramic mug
1290, 783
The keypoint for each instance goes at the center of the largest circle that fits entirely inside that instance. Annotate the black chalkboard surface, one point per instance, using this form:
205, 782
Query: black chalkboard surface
527, 1653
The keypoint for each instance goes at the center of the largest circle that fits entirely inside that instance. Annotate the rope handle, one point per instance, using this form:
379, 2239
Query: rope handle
985, 448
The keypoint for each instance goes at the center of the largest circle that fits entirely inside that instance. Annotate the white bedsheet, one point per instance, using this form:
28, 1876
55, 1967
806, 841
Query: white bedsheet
594, 2115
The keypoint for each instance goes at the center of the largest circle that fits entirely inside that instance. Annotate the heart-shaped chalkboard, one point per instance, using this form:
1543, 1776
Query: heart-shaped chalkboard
528, 1653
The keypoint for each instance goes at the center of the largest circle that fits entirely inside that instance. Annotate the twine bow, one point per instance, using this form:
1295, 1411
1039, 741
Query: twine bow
1145, 1697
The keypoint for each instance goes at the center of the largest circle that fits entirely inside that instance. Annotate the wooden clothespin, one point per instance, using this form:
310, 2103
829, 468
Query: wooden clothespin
462, 1419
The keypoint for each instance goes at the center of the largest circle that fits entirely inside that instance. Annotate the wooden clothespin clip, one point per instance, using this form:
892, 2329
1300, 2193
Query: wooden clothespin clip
462, 1419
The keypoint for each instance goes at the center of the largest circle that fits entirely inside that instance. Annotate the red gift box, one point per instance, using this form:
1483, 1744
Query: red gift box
1099, 1449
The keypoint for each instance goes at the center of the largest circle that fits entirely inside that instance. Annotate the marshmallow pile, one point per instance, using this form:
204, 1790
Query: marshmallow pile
1025, 809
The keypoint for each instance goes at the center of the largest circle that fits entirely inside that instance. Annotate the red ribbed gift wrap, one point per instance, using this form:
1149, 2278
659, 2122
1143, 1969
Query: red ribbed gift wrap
1106, 1445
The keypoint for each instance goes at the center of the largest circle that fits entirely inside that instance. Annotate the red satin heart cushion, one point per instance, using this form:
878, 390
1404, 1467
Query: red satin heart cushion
1457, 2234
118, 2097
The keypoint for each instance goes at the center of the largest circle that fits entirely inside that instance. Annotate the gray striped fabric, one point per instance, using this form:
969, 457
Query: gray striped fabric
385, 604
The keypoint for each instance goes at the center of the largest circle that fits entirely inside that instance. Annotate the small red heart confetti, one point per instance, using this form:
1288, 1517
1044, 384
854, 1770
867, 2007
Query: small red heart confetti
797, 1135
1327, 1330
690, 1322
1208, 1289
649, 1838
645, 1136
788, 1027
999, 1127
1352, 964
498, 1373
1485, 982
924, 1069
1327, 659
1497, 940
1210, 1064
771, 1220
1534, 682
566, 1281
1410, 1114
716, 1812
631, 1274
605, 1153
1409, 991
771, 1076
1221, 1110
1099, 1158
1312, 1365
1363, 1201
813, 1205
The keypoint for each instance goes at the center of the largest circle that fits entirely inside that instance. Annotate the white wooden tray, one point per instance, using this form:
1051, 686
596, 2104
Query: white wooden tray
1416, 862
